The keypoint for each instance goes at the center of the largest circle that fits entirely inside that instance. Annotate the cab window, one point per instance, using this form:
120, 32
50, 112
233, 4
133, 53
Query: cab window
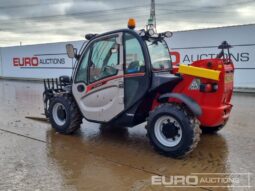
134, 59
159, 53
104, 58
82, 71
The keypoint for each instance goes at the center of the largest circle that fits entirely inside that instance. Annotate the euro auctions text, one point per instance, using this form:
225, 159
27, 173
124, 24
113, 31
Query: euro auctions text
204, 180
36, 61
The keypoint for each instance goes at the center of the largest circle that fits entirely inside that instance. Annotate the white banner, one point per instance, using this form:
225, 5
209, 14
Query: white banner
37, 61
1, 66
189, 46
50, 60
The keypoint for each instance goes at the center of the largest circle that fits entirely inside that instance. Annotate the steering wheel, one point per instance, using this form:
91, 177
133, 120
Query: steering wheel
108, 70
105, 71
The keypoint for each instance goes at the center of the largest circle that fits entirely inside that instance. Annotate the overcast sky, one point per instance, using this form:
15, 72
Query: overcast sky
36, 21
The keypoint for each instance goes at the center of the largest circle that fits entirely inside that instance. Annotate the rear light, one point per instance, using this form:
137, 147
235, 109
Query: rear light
209, 87
206, 87
215, 87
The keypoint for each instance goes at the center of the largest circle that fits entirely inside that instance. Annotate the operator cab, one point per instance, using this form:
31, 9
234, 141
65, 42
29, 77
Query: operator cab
117, 69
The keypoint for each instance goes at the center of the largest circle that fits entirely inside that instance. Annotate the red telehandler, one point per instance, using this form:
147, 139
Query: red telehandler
126, 77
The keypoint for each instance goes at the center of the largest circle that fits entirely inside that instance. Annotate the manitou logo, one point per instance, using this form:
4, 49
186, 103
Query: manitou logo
26, 62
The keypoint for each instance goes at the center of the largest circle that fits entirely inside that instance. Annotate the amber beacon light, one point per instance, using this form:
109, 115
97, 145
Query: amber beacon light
131, 23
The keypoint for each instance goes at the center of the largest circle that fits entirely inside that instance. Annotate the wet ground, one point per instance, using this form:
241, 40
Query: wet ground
34, 157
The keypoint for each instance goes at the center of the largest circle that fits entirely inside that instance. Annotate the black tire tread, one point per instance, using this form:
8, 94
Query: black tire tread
75, 117
194, 123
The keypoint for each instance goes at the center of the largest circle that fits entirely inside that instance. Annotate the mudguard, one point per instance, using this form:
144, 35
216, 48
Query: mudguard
189, 102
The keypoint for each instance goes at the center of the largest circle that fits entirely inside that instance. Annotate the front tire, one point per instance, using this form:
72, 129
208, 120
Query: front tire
172, 130
64, 114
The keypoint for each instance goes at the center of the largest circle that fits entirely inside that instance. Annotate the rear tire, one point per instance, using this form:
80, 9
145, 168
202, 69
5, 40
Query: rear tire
211, 130
64, 114
172, 130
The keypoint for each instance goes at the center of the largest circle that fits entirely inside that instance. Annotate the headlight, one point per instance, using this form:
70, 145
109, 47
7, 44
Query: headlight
151, 32
168, 34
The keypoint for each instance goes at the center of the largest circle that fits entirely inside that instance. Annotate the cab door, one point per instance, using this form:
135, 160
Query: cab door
98, 86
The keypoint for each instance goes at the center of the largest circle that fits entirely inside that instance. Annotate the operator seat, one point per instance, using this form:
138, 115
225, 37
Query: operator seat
133, 67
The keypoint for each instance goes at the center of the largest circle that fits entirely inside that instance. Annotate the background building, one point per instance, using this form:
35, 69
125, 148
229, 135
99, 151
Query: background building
50, 60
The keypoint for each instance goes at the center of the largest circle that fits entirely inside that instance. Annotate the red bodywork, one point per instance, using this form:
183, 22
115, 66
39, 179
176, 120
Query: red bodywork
215, 105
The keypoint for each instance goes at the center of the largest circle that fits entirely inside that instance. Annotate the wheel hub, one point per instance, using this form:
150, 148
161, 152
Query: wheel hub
169, 130
61, 113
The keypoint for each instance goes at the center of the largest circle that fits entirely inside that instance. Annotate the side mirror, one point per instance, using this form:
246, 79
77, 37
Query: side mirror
114, 50
71, 51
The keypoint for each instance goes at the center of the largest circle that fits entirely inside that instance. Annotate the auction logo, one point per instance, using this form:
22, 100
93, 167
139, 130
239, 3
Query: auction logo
35, 61
187, 58
26, 61
240, 180
177, 57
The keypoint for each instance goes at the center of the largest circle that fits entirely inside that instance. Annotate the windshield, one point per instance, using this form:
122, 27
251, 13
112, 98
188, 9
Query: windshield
159, 53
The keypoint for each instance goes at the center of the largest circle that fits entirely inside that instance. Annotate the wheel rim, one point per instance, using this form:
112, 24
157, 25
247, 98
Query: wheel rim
168, 131
59, 114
